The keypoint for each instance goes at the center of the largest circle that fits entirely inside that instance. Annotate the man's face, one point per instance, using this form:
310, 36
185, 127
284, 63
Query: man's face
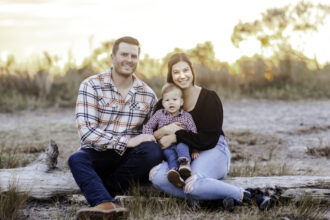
126, 59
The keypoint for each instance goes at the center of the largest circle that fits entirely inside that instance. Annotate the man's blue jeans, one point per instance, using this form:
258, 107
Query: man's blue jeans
174, 152
102, 175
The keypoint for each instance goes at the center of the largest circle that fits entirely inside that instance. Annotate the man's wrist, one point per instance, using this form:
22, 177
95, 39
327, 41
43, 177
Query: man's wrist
122, 143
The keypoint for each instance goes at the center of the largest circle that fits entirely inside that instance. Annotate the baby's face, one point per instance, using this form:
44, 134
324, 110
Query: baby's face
172, 101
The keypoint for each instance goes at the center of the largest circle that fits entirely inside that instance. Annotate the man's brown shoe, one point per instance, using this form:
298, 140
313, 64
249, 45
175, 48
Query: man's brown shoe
103, 211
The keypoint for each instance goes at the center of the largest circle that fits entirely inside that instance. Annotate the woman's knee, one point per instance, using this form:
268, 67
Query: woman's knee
212, 163
153, 172
190, 185
157, 175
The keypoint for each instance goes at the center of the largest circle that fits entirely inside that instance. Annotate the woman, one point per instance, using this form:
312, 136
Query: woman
214, 160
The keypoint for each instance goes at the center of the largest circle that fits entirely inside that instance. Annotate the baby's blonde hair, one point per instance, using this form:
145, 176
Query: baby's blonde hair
170, 87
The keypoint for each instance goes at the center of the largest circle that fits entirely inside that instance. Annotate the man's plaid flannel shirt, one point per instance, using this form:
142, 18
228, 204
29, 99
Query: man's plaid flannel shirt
104, 119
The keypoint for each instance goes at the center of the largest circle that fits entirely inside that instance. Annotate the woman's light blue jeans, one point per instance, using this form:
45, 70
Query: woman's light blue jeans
204, 184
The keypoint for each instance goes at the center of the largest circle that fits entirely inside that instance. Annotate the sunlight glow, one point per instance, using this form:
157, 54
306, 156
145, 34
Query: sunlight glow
59, 26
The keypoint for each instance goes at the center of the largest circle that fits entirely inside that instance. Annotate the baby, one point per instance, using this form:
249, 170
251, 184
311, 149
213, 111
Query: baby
177, 156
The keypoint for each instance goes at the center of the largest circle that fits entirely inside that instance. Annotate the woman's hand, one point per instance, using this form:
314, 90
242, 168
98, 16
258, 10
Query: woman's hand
167, 130
167, 141
174, 127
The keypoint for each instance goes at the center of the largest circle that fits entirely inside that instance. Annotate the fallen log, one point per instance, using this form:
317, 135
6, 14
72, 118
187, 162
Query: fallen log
43, 180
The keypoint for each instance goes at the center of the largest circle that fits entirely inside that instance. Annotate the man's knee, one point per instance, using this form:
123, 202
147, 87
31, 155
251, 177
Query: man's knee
76, 158
150, 148
150, 153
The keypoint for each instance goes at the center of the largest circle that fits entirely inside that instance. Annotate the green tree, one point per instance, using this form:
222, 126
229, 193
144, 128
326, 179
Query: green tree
275, 28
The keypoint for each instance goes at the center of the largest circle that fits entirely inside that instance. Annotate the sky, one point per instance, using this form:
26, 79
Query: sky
29, 27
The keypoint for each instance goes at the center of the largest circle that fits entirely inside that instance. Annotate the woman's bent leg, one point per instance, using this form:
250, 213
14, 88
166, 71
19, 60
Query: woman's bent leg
210, 166
204, 188
213, 163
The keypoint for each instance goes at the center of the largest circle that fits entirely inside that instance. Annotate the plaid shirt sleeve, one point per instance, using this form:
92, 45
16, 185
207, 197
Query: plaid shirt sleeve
87, 121
189, 122
149, 127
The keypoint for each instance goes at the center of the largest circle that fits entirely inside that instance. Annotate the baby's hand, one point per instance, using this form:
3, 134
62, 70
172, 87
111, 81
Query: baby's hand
194, 154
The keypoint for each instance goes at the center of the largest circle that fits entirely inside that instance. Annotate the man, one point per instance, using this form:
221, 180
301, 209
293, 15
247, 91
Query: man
111, 108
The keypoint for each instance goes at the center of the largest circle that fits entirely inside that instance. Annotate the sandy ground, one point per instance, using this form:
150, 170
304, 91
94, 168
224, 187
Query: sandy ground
257, 130
289, 128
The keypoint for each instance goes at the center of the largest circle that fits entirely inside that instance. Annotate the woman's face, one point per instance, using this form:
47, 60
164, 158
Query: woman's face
182, 75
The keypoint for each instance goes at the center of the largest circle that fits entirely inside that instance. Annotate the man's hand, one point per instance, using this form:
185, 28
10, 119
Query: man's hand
137, 140
167, 141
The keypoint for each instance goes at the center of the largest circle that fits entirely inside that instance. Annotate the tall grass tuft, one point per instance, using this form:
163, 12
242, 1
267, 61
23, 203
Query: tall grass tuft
12, 158
11, 202
319, 151
260, 168
155, 205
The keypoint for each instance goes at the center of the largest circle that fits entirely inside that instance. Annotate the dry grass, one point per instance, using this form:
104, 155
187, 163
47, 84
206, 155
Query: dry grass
11, 202
158, 206
14, 154
319, 151
62, 213
260, 168
13, 158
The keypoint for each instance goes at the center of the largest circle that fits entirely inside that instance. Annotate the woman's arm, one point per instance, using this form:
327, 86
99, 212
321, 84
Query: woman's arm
167, 130
208, 117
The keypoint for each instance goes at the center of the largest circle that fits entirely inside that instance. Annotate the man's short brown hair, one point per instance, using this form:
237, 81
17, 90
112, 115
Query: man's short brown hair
126, 39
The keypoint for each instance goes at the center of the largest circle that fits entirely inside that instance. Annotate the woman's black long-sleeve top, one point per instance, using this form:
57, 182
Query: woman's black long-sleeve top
208, 117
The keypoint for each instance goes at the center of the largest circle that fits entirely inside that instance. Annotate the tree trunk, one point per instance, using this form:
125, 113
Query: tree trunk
42, 180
